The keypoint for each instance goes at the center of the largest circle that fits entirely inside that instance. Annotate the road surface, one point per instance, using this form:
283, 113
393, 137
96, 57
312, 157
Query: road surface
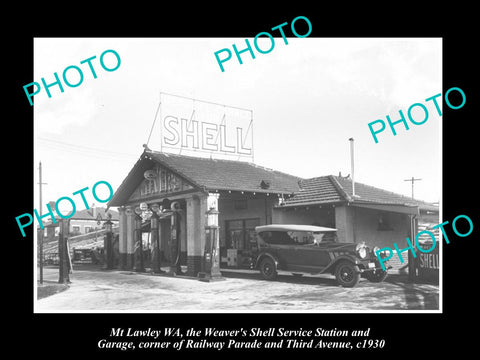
93, 289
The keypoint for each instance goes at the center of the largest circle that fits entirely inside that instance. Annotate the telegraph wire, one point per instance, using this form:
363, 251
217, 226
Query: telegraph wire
83, 150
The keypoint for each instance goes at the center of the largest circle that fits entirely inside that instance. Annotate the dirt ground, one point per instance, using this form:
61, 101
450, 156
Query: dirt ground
93, 289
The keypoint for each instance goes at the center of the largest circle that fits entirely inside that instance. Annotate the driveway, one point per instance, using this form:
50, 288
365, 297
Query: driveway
93, 289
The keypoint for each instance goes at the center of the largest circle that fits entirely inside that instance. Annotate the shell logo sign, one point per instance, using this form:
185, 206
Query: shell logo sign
204, 129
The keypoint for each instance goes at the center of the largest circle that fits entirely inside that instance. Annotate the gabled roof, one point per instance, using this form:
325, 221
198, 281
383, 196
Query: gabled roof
209, 174
333, 189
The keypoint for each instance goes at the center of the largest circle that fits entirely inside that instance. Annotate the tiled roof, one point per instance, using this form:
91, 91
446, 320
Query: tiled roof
227, 174
331, 189
209, 174
316, 191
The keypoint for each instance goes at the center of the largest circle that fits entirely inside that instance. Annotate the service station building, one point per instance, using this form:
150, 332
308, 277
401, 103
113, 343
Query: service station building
199, 211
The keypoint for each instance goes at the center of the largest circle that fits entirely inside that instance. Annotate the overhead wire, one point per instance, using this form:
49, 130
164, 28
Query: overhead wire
83, 150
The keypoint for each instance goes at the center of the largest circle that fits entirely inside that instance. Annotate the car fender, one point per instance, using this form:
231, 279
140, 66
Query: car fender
266, 254
331, 266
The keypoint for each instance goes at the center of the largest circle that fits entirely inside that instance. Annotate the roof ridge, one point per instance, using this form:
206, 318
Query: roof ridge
197, 157
177, 171
408, 199
339, 188
230, 161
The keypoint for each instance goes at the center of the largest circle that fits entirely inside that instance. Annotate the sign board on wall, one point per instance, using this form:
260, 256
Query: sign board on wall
428, 264
205, 129
159, 181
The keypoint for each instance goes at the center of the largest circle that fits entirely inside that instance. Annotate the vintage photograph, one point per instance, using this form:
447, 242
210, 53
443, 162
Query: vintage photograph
268, 174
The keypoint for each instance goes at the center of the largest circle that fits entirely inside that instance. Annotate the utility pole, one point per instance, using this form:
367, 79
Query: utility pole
413, 181
40, 233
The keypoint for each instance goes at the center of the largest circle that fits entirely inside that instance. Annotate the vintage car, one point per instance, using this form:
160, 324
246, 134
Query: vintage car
310, 249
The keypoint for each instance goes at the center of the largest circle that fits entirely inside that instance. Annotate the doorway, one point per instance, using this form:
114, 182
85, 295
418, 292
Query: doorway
240, 241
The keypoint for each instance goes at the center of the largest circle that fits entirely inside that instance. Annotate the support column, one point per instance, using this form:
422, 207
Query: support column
196, 210
164, 239
174, 244
108, 246
412, 271
122, 238
63, 268
130, 237
183, 238
344, 223
156, 261
138, 244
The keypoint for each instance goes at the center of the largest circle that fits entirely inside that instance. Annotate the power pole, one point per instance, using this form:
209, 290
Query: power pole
413, 181
40, 233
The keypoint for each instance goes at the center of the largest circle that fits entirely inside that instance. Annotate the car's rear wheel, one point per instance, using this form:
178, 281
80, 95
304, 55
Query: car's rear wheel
268, 268
376, 276
346, 274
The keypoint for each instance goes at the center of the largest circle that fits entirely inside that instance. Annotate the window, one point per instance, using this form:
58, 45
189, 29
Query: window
302, 237
88, 229
277, 238
76, 229
330, 236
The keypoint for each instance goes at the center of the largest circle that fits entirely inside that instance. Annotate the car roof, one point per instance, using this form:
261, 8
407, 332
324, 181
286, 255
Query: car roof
290, 227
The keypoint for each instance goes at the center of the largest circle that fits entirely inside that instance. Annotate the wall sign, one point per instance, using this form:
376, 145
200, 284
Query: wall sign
157, 181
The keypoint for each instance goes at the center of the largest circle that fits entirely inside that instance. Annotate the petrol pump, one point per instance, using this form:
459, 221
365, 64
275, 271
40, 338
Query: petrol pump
211, 255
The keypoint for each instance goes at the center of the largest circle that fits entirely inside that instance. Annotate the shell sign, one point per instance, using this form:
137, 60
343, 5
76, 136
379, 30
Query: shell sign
204, 129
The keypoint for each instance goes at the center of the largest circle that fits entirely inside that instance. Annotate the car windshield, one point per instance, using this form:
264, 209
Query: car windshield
302, 237
297, 237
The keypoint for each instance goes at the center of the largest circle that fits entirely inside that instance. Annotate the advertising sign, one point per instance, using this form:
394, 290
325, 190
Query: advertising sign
200, 128
428, 264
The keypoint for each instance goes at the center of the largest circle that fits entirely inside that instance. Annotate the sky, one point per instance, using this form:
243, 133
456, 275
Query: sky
308, 98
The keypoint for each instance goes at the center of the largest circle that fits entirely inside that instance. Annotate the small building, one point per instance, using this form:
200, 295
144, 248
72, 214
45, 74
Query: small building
88, 220
247, 195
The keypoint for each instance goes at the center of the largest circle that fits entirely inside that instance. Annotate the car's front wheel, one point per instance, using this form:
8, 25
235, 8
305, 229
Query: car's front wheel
377, 276
346, 274
268, 268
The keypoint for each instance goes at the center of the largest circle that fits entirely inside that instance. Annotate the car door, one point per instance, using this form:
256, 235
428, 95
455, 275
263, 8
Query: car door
280, 245
309, 256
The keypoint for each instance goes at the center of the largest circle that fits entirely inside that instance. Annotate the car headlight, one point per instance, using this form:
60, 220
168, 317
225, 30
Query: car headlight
361, 251
375, 249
